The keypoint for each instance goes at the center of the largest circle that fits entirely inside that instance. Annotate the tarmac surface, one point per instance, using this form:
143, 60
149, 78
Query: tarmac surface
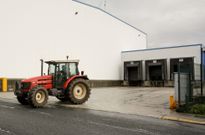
16, 119
144, 101
131, 100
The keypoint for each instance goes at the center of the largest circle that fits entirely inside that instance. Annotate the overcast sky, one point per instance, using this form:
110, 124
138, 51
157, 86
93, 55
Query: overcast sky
167, 22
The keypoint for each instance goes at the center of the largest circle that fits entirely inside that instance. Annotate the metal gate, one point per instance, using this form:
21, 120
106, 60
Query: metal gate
183, 88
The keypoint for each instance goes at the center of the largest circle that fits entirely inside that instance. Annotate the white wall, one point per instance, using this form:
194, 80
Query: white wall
49, 29
175, 52
166, 53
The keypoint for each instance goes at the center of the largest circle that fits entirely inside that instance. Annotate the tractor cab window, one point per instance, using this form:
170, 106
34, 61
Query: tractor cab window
51, 69
62, 70
73, 69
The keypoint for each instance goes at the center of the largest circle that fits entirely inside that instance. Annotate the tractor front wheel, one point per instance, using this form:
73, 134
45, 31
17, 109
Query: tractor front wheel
38, 97
79, 91
22, 100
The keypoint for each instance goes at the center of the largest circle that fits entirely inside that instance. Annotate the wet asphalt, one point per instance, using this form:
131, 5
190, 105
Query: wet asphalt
129, 100
16, 119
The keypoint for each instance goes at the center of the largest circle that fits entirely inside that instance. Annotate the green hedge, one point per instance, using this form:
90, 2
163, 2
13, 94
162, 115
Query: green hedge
192, 108
197, 109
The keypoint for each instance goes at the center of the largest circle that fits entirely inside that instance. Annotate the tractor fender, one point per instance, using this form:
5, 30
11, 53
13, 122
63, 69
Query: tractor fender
73, 78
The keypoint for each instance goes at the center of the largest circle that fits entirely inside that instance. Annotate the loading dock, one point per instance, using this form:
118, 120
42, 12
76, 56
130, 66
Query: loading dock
133, 73
156, 72
186, 66
159, 64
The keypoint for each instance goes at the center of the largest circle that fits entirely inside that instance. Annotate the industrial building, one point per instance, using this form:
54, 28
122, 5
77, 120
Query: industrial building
156, 66
111, 51
34, 30
51, 30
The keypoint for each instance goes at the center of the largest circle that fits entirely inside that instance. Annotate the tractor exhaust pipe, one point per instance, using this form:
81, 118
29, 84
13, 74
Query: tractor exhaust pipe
41, 67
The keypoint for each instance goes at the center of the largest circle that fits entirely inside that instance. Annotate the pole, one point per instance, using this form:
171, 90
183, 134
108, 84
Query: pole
179, 89
41, 67
201, 71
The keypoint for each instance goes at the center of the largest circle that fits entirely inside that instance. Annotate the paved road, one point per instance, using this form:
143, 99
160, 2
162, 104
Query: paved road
16, 119
144, 101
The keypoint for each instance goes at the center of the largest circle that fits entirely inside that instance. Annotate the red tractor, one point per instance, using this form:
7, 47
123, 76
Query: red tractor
63, 81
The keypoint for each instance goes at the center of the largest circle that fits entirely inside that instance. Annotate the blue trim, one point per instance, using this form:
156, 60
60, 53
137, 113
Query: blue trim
151, 49
110, 15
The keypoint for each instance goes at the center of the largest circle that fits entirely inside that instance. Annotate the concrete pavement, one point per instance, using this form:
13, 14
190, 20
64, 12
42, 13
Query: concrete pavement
145, 101
130, 100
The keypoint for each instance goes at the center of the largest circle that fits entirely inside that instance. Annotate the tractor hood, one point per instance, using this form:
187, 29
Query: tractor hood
38, 79
45, 81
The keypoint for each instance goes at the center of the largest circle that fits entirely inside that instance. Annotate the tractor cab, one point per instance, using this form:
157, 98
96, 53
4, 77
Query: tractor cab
61, 71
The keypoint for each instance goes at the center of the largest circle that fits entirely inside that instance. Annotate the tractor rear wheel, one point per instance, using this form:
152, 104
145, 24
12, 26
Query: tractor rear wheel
38, 97
79, 91
22, 100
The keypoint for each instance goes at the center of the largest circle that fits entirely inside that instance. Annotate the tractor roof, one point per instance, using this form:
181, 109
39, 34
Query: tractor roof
61, 61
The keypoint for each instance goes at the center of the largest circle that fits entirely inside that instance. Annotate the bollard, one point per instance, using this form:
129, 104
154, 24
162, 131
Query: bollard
172, 102
4, 85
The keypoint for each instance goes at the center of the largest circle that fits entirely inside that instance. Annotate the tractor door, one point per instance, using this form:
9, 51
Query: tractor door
52, 71
62, 74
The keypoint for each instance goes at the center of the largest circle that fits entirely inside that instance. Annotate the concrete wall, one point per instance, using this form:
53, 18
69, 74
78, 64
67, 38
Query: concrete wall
51, 29
166, 53
11, 84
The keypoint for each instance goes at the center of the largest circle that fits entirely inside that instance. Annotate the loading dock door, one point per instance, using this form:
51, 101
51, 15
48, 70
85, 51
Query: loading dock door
155, 72
186, 66
133, 72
